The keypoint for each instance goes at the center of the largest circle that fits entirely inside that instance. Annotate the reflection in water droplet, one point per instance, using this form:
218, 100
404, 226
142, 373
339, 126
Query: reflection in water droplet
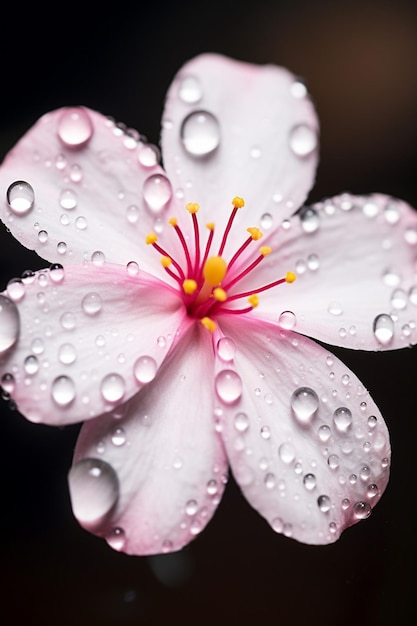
20, 197
92, 303
310, 482
200, 133
303, 140
286, 452
68, 199
362, 510
9, 324
310, 220
75, 127
157, 192
116, 539
190, 90
94, 490
287, 320
383, 329
304, 403
63, 391
228, 385
342, 418
324, 503
112, 388
226, 349
145, 369
241, 422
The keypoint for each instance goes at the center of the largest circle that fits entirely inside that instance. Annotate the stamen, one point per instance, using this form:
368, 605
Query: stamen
209, 324
255, 235
166, 261
264, 251
210, 227
219, 294
289, 275
151, 239
189, 285
173, 222
238, 203
192, 207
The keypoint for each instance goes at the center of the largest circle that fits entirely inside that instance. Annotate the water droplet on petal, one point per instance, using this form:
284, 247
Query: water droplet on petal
241, 422
342, 418
67, 354
16, 289
309, 482
98, 258
399, 299
333, 461
362, 510
92, 303
266, 221
310, 220
145, 369
383, 329
118, 437
94, 490
391, 213
298, 89
304, 403
20, 197
63, 391
303, 140
68, 199
286, 452
190, 90
324, 503
335, 308
157, 192
116, 539
112, 388
75, 127
191, 507
31, 365
148, 155
287, 320
9, 324
132, 268
324, 433
8, 383
200, 133
228, 386
81, 223
226, 349
56, 273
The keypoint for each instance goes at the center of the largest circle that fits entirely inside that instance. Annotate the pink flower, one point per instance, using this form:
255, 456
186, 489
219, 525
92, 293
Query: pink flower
178, 336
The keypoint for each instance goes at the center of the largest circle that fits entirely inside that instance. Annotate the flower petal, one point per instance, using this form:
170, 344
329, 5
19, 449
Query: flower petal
90, 189
305, 441
90, 338
231, 128
169, 462
355, 260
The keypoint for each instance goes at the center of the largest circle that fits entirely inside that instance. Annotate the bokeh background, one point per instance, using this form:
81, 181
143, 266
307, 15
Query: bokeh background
360, 63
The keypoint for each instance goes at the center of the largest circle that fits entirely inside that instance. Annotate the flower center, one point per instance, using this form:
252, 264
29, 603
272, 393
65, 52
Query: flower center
208, 283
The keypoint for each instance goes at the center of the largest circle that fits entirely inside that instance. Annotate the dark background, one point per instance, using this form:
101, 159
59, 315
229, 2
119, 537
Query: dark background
360, 63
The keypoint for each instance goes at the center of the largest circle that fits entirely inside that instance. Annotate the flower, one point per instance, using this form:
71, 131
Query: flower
178, 336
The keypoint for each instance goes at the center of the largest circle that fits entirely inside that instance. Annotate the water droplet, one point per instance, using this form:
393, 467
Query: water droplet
148, 155
399, 299
92, 303
310, 482
361, 510
68, 199
43, 236
391, 213
161, 341
63, 391
324, 503
286, 452
61, 247
255, 152
145, 369
75, 127
76, 173
365, 472
304, 403
16, 289
226, 349
345, 379
31, 365
391, 278
241, 422
56, 273
191, 507
132, 268
212, 487
372, 490
310, 220
68, 321
9, 324
298, 89
383, 329
342, 418
410, 236
266, 221
303, 140
370, 209
324, 433
8, 383
98, 258
269, 481
116, 539
265, 432
118, 437
112, 388
20, 197
333, 461
228, 386
372, 421
157, 192
313, 262
94, 490
335, 308
287, 320
200, 133
81, 223
412, 294
190, 90
67, 354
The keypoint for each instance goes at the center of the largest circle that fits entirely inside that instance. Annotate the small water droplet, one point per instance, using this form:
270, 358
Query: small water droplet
303, 140
145, 369
98, 258
410, 236
269, 481
310, 482
161, 341
63, 391
324, 503
75, 127
132, 268
8, 383
266, 221
324, 433
335, 308
61, 247
391, 213
68, 321
112, 388
372, 421
310, 220
370, 209
67, 354
228, 385
298, 90
399, 299
9, 324
81, 223
212, 487
118, 437
372, 490
76, 173
16, 290
342, 418
43, 236
20, 197
68, 199
94, 490
148, 155
200, 133
191, 507
190, 90
241, 422
287, 320
304, 403
265, 432
313, 262
362, 510
157, 192
31, 365
383, 328
226, 349
116, 539
286, 452
412, 294
333, 461
56, 273
92, 303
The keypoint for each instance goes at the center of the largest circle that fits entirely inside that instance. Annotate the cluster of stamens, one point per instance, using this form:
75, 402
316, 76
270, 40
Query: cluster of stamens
206, 281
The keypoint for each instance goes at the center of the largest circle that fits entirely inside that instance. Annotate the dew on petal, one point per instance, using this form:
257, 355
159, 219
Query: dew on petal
310, 220
67, 354
68, 199
287, 320
9, 324
241, 422
298, 89
335, 308
63, 391
112, 388
8, 383
16, 289
303, 140
76, 173
132, 268
31, 365
118, 437
56, 273
92, 303
43, 236
228, 385
116, 539
94, 490
324, 503
145, 369
98, 258
157, 192
362, 510
286, 452
226, 349
324, 433
391, 213
75, 127
200, 133
304, 403
399, 299
266, 221
309, 482
342, 418
383, 328
190, 90
148, 155
81, 223
20, 197
191, 507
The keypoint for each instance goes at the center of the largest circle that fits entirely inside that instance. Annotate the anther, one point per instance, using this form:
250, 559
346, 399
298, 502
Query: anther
208, 323
166, 261
151, 238
238, 202
290, 277
265, 250
192, 207
253, 300
189, 285
219, 294
255, 233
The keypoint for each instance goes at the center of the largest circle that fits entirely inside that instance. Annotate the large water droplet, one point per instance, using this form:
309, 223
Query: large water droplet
228, 386
68, 199
303, 140
145, 369
200, 133
75, 127
286, 452
94, 490
190, 90
241, 422
63, 391
56, 273
116, 539
67, 353
226, 349
9, 324
383, 329
157, 192
362, 510
31, 365
287, 320
324, 503
92, 303
16, 289
310, 220
309, 482
20, 197
342, 418
304, 403
112, 388
399, 299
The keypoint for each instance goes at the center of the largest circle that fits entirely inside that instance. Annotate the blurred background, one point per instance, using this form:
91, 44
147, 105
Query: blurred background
360, 63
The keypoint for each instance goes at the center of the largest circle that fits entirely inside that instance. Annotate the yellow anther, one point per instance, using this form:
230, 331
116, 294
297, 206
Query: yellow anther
238, 203
265, 250
210, 225
290, 277
255, 233
189, 285
173, 221
219, 294
166, 261
209, 324
253, 300
151, 238
192, 207
214, 270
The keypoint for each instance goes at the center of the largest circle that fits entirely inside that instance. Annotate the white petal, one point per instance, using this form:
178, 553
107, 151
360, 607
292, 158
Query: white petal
245, 118
305, 441
89, 339
87, 197
355, 260
169, 460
